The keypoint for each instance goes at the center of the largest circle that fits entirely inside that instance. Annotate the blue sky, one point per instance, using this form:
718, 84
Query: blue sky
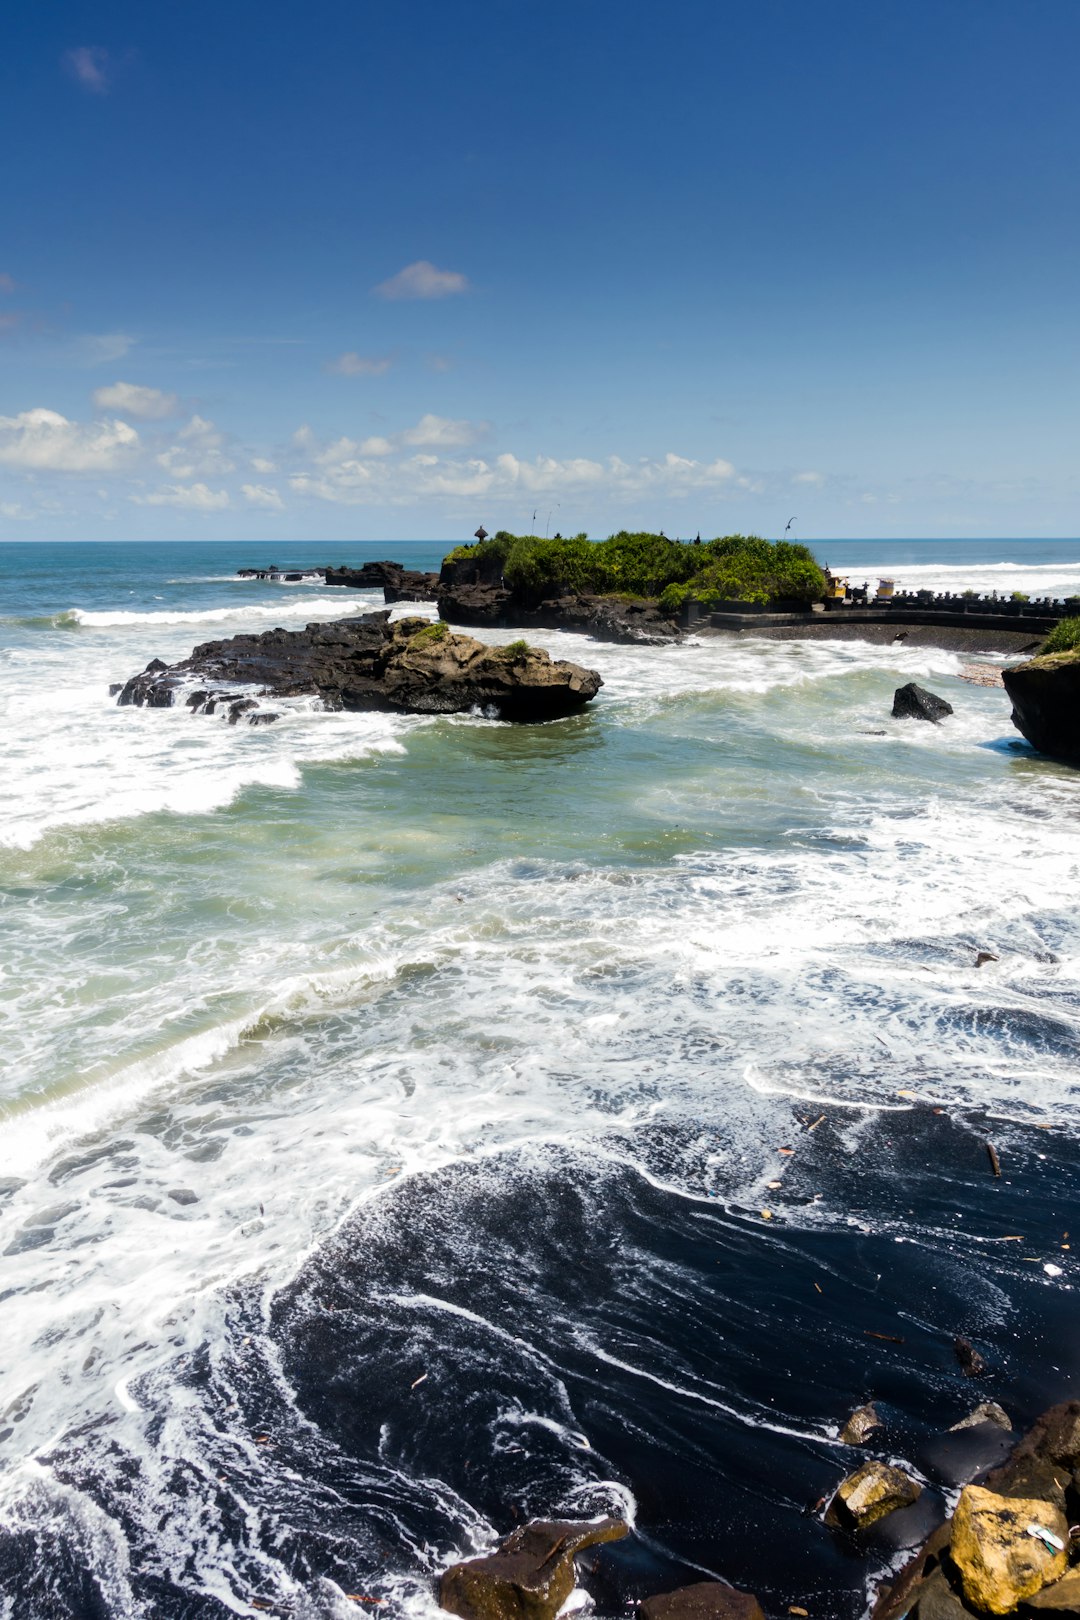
345, 270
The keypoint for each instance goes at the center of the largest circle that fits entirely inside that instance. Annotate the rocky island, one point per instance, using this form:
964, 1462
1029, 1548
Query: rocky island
412, 667
628, 588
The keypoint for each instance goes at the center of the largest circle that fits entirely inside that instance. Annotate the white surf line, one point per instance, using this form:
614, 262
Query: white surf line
707, 1400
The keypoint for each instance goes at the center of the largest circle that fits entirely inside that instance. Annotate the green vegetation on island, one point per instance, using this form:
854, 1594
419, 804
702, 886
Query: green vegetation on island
736, 567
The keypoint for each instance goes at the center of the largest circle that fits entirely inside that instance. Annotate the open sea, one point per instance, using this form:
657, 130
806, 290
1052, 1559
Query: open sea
411, 1125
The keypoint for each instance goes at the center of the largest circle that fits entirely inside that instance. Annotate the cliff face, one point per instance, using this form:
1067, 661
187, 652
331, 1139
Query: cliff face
1045, 695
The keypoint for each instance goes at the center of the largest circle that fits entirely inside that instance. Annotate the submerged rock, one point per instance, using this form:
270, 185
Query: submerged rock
530, 1574
998, 1552
1045, 695
869, 1494
914, 702
705, 1600
413, 667
972, 1363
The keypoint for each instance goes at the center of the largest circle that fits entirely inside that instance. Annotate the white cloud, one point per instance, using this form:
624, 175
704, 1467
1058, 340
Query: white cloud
368, 473
422, 280
7, 284
90, 66
101, 348
198, 452
262, 495
814, 478
442, 432
189, 497
352, 364
145, 404
261, 464
44, 441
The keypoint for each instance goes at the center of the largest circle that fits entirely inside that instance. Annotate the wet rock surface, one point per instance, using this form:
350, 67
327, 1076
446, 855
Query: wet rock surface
914, 702
860, 1425
412, 667
869, 1494
1008, 1543
1045, 695
529, 1576
705, 1600
997, 1551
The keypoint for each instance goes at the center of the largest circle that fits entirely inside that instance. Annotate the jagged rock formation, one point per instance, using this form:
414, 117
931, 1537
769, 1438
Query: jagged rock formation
414, 667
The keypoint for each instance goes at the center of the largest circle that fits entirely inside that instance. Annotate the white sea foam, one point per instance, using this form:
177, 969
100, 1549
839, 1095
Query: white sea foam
284, 1008
250, 613
1056, 580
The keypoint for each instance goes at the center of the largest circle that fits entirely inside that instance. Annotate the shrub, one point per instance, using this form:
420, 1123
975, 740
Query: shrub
1063, 637
743, 567
1019, 596
515, 650
430, 635
673, 596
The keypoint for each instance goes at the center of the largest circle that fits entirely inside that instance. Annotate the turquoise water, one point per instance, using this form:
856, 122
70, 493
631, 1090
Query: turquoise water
289, 973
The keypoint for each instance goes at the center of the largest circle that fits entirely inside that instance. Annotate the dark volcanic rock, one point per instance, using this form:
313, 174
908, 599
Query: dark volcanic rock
414, 667
705, 1600
1042, 1475
607, 618
529, 1576
472, 590
371, 577
397, 583
1045, 695
913, 702
972, 1364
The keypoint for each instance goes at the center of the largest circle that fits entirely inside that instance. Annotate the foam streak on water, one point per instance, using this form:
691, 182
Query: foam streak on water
389, 1107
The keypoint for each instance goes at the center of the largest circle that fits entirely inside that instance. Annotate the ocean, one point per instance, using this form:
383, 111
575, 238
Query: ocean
411, 1125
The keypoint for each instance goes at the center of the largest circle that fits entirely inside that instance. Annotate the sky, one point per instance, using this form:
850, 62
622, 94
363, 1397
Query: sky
354, 270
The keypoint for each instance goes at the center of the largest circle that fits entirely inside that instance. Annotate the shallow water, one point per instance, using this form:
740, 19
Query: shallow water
362, 1050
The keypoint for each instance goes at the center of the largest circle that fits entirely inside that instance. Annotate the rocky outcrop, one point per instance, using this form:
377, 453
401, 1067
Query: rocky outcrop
397, 583
530, 1574
1008, 1541
705, 1600
869, 1494
605, 618
914, 702
1045, 695
413, 667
